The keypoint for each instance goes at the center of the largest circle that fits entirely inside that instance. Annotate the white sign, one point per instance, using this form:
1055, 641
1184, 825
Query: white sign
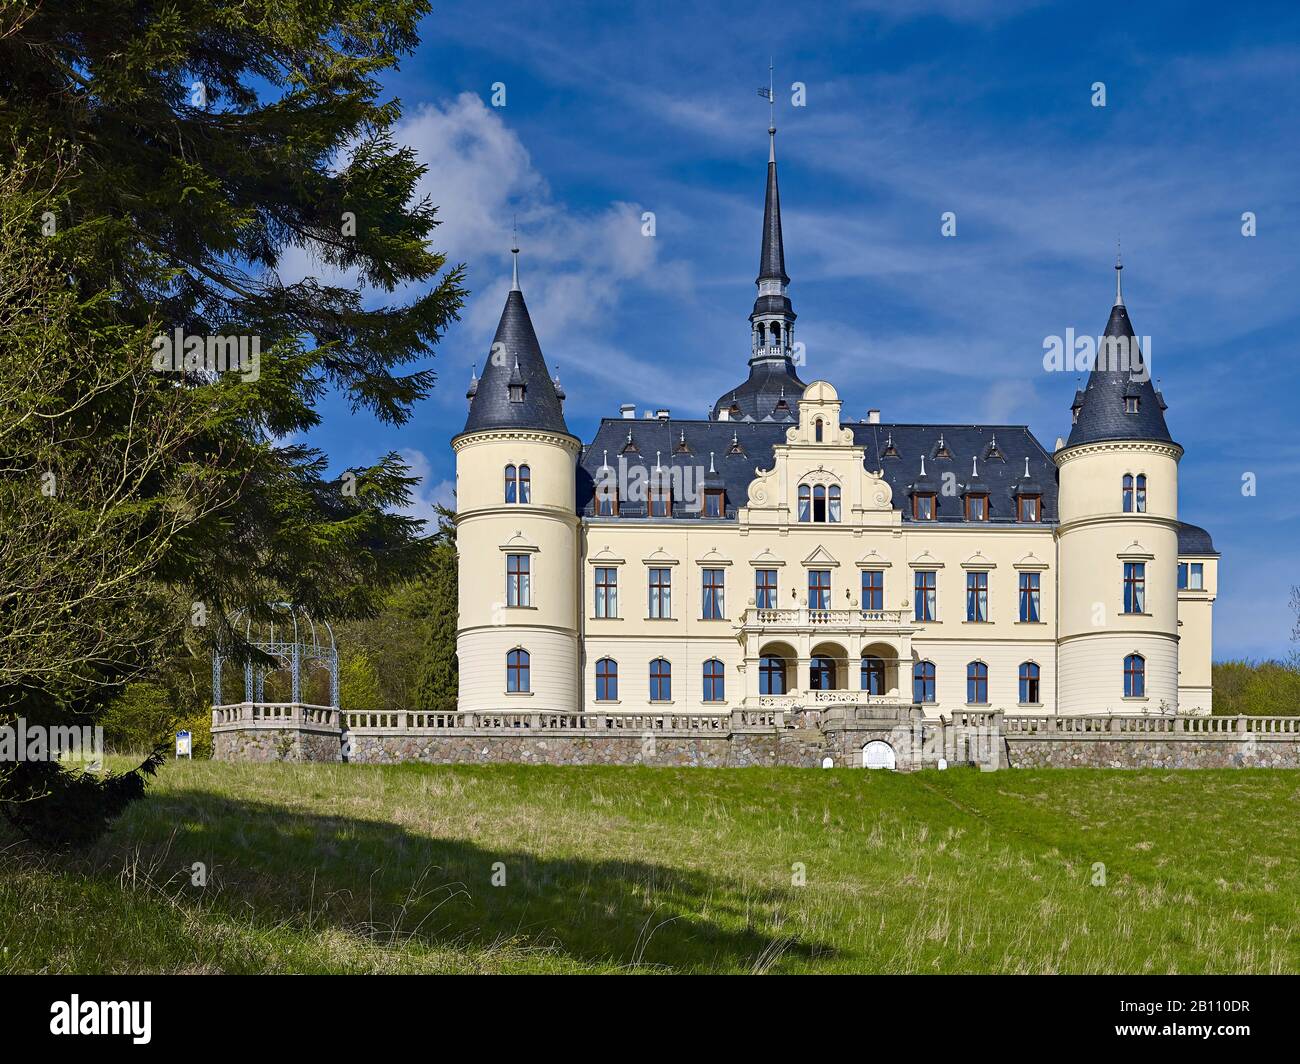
184, 745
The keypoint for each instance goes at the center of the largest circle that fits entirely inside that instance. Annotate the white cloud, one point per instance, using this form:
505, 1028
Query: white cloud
428, 494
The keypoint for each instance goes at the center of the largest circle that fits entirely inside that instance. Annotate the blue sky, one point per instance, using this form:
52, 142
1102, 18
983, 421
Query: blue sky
980, 108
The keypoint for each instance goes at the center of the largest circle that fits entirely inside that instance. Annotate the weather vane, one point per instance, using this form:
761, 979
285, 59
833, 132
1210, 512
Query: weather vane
769, 94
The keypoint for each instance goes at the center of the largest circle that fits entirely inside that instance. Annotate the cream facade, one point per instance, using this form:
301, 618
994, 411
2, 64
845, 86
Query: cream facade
782, 556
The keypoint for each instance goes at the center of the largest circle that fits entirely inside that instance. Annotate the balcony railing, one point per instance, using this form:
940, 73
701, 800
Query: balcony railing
803, 617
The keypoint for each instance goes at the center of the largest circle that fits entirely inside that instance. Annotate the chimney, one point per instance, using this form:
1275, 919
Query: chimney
662, 413
628, 410
873, 417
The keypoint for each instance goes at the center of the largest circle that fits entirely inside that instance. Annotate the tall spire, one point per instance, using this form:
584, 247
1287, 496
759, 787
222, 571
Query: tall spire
772, 346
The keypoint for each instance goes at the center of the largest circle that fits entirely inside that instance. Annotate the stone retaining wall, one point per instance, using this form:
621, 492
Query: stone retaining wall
248, 732
725, 750
1159, 752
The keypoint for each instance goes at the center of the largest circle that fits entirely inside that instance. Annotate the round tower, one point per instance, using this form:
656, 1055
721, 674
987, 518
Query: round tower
1118, 538
517, 538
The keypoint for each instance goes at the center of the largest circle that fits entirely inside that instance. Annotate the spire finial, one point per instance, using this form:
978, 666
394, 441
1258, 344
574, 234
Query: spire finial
1119, 266
711, 469
514, 250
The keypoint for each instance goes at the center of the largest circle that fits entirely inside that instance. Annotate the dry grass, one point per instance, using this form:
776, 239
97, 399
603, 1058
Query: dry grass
325, 868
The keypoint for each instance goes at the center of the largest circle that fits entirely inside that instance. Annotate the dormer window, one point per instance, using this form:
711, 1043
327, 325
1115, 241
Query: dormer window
1029, 508
516, 393
977, 507
1130, 404
735, 447
607, 497
819, 504
734, 411
661, 501
715, 503
630, 446
923, 506
942, 450
890, 450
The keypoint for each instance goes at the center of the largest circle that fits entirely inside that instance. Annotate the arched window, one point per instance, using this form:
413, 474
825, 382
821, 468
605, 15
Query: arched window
714, 685
977, 683
525, 484
819, 502
762, 335
821, 673
1029, 692
1140, 500
517, 671
873, 675
512, 484
817, 430
661, 681
1135, 676
776, 334
1128, 493
607, 680
833, 510
771, 676
923, 681
805, 502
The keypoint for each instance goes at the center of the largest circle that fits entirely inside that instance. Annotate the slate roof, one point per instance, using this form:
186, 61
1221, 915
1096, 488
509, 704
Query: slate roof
1101, 414
659, 440
518, 359
1192, 539
759, 397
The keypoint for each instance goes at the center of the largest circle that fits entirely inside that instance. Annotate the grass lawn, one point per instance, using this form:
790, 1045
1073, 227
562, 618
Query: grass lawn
345, 868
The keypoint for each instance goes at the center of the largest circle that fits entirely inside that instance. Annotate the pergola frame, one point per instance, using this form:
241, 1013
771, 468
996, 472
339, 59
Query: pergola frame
303, 649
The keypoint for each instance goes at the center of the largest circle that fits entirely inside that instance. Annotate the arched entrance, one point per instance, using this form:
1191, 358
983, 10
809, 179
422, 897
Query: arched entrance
826, 667
776, 669
878, 754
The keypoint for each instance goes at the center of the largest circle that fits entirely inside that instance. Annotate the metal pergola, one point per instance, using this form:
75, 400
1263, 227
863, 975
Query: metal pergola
292, 640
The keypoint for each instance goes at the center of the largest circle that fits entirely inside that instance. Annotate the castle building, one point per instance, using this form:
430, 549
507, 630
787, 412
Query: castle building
781, 554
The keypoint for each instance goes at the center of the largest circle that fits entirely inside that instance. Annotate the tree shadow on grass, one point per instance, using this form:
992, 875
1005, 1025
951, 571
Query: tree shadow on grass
373, 877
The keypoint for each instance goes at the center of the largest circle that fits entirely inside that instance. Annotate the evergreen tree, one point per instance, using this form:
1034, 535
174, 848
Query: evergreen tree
165, 158
439, 676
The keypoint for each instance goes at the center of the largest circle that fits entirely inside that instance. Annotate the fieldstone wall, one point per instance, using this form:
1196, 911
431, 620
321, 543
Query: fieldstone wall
724, 750
276, 744
1164, 751
989, 739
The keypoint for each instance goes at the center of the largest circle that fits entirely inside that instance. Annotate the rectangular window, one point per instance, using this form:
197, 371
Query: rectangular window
819, 589
661, 592
1135, 587
977, 596
713, 586
1197, 577
606, 592
926, 586
713, 504
977, 507
607, 498
518, 592
1029, 507
765, 589
873, 589
661, 502
1182, 576
1029, 598
923, 507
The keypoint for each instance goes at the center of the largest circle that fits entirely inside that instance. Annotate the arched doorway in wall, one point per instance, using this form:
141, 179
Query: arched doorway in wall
878, 754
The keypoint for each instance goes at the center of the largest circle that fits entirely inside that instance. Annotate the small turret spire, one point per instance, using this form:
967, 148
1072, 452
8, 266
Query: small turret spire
1119, 267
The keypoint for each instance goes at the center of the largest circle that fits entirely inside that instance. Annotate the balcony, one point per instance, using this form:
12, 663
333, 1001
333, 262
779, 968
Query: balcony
802, 619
